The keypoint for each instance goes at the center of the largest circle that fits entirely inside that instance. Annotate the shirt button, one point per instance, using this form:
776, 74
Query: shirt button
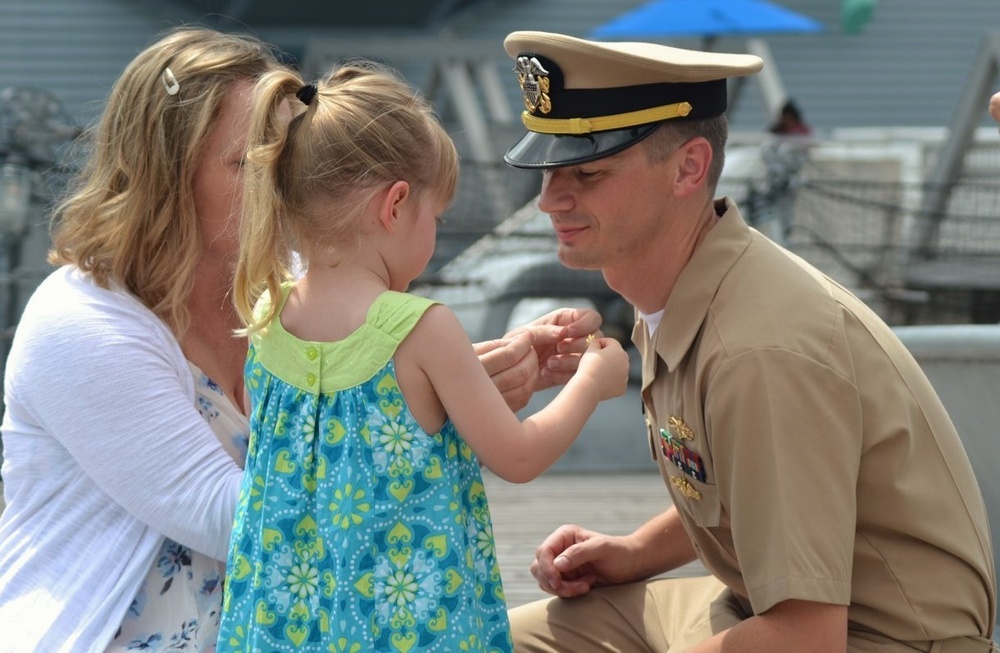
311, 378
312, 353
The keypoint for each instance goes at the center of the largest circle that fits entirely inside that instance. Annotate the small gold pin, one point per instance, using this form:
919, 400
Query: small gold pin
589, 340
679, 429
685, 488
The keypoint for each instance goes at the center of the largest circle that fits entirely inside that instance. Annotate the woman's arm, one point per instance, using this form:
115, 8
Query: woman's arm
107, 381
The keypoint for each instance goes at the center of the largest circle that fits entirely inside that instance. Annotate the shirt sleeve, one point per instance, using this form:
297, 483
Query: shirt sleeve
786, 443
106, 380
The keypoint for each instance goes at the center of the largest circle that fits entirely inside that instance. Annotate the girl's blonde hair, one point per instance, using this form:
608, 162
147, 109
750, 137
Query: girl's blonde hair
130, 215
310, 178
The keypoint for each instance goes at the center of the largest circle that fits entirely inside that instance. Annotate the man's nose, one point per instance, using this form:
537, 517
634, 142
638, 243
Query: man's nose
555, 196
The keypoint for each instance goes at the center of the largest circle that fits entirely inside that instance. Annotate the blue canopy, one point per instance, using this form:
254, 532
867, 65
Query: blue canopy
705, 18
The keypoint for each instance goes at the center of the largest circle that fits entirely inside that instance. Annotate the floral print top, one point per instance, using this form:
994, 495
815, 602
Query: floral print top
178, 605
356, 530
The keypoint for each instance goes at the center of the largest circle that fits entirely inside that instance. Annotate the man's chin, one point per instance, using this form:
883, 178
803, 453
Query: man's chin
574, 261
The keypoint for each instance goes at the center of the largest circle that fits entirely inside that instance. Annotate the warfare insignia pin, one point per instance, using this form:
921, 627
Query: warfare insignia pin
680, 430
534, 81
685, 488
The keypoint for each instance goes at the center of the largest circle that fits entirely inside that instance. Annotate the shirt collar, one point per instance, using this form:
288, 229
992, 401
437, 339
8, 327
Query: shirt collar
696, 287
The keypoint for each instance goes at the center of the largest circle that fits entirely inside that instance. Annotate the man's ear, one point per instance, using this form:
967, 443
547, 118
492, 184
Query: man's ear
390, 205
693, 161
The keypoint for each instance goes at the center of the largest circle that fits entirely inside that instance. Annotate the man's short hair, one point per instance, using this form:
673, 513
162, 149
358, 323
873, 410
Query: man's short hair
670, 135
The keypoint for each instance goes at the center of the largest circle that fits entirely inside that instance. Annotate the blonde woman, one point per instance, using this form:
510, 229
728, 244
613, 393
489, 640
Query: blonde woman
123, 433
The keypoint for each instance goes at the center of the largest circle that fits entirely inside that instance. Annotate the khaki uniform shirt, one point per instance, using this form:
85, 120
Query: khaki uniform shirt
805, 450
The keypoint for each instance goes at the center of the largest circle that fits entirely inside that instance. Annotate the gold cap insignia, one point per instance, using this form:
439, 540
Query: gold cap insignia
685, 488
534, 81
679, 429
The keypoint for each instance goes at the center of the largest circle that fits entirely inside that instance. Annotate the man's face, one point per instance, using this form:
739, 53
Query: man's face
607, 213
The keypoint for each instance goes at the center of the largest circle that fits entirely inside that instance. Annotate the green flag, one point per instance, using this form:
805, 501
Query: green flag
855, 14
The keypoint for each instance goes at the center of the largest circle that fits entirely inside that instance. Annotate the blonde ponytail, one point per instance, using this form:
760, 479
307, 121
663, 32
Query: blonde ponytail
265, 248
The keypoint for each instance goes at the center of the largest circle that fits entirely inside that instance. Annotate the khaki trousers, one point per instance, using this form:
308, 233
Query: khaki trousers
667, 616
653, 616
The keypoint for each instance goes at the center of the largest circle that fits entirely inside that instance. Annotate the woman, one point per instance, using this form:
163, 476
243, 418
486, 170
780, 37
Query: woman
123, 436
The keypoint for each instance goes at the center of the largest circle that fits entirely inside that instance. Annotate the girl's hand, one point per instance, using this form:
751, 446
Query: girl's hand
607, 363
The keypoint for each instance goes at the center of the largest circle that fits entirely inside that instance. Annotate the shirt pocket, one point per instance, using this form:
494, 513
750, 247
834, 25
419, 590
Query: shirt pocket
698, 500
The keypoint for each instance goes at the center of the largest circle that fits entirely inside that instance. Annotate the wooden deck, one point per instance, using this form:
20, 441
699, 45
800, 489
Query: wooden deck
523, 515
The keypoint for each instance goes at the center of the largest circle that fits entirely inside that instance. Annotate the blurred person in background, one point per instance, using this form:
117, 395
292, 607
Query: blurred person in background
790, 121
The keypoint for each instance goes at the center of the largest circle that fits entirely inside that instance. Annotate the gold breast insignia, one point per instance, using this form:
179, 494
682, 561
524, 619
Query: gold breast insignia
679, 429
685, 488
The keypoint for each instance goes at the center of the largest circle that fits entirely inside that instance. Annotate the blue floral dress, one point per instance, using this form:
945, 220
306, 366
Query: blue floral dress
356, 530
178, 605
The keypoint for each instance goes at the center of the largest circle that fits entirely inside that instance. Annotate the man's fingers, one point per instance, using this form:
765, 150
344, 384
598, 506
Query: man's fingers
540, 335
500, 355
566, 586
582, 322
570, 588
516, 397
578, 344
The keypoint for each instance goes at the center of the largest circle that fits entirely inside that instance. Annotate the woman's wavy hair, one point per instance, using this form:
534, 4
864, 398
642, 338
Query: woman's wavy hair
310, 177
129, 217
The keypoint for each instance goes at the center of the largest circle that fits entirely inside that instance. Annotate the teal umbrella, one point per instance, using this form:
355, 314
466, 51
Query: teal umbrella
708, 19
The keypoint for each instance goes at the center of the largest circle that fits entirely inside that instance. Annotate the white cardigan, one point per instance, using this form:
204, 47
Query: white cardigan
104, 454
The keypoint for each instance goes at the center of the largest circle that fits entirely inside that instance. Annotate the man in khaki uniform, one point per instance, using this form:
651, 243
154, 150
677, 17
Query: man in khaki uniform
812, 468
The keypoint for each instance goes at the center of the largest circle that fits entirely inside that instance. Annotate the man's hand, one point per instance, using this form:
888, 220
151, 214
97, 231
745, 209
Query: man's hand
572, 560
512, 365
559, 338
538, 355
995, 106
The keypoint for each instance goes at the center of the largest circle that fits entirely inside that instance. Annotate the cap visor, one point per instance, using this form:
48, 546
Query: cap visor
536, 150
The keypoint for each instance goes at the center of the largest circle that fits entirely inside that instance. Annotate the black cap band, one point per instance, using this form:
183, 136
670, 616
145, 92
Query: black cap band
706, 99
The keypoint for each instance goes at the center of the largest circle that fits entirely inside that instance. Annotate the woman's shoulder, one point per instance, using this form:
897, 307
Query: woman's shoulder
80, 291
69, 304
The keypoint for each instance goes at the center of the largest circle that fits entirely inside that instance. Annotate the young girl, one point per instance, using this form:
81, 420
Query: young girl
362, 522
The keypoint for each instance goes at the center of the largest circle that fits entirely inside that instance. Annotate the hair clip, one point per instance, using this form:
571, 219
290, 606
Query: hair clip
170, 82
306, 94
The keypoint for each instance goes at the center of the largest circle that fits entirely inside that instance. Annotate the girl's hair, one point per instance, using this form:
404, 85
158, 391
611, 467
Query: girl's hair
129, 218
310, 178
